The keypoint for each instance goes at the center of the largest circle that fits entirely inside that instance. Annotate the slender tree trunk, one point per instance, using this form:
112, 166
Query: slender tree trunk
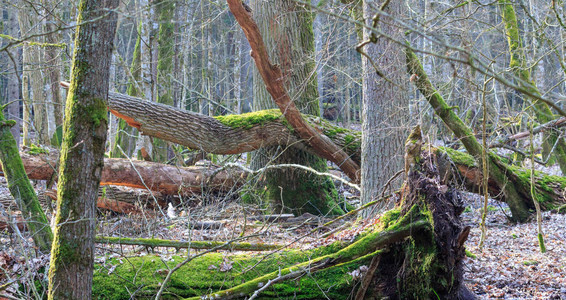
82, 153
238, 71
13, 91
21, 188
164, 9
385, 103
53, 62
143, 142
520, 68
33, 85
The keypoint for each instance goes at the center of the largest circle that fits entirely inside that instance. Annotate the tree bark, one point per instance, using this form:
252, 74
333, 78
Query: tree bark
53, 62
521, 70
272, 76
286, 29
21, 189
385, 114
234, 134
82, 152
13, 85
166, 179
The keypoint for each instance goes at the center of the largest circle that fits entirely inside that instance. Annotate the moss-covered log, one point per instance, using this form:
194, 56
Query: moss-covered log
549, 189
204, 275
20, 187
516, 193
155, 243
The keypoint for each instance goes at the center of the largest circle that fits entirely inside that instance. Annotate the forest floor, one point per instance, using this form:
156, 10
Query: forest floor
509, 267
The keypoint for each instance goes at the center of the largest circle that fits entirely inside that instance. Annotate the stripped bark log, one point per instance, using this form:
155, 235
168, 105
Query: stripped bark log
166, 179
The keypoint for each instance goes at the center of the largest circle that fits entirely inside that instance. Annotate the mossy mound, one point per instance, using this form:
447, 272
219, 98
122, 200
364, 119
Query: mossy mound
140, 277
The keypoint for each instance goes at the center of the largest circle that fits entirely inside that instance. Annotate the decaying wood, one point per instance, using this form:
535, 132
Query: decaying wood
114, 198
166, 179
106, 203
272, 76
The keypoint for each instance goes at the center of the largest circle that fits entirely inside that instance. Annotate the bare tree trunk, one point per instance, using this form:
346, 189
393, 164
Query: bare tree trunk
238, 71
33, 85
143, 143
385, 103
13, 91
82, 154
164, 10
53, 62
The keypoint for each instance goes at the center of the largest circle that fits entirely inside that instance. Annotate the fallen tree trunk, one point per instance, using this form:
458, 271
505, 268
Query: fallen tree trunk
516, 191
231, 134
195, 179
155, 243
234, 134
166, 179
549, 189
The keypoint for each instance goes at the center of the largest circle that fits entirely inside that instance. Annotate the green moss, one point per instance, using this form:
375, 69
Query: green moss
389, 218
353, 143
304, 192
530, 263
9, 123
203, 275
249, 120
36, 150
541, 243
459, 157
334, 130
544, 182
